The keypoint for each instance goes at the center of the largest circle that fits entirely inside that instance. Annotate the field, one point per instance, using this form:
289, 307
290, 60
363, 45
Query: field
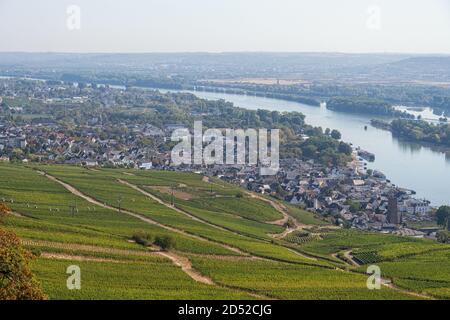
126, 280
286, 281
427, 273
227, 243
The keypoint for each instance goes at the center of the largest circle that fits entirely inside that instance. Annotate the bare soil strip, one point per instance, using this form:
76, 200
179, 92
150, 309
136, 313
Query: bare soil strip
281, 222
186, 266
348, 255
176, 193
16, 214
148, 194
384, 281
224, 258
61, 256
278, 207
137, 216
176, 259
183, 262
388, 283
180, 261
84, 247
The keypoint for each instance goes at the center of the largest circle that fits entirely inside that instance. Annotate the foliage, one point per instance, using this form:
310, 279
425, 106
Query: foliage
16, 279
165, 242
220, 218
422, 131
443, 236
364, 105
4, 212
143, 238
326, 150
443, 215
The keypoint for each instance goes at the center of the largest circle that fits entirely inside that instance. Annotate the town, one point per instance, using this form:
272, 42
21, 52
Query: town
349, 195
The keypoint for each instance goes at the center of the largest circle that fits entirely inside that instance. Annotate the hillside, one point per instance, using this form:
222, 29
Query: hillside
225, 242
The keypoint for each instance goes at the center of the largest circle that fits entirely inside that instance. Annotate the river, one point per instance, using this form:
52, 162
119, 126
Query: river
406, 164
423, 169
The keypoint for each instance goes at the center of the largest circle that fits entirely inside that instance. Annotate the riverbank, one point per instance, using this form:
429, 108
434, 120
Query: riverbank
420, 168
406, 129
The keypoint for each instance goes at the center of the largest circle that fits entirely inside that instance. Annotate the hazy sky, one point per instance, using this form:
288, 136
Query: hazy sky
421, 26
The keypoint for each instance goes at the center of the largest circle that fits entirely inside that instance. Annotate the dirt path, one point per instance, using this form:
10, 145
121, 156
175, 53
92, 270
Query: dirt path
224, 258
281, 222
176, 259
189, 215
16, 214
287, 231
78, 193
86, 248
183, 262
280, 208
160, 201
349, 260
208, 180
348, 255
384, 281
284, 233
62, 256
186, 266
388, 283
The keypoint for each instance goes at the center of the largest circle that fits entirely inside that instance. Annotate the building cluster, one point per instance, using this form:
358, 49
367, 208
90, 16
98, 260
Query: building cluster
87, 146
353, 196
12, 138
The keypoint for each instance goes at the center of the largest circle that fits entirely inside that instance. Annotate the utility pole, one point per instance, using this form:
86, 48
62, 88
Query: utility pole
73, 208
119, 201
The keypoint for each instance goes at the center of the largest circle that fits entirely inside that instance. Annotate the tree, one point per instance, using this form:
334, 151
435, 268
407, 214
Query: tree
4, 212
442, 215
239, 194
443, 236
335, 134
344, 148
165, 242
354, 206
16, 280
143, 238
310, 151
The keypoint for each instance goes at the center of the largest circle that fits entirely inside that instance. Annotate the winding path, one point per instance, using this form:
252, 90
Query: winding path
184, 262
160, 201
151, 196
78, 193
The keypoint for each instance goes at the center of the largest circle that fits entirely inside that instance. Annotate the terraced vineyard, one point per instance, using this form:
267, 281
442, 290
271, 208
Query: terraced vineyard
366, 257
224, 240
300, 238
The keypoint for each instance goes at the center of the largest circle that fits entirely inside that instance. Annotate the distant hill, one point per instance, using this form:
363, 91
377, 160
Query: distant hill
328, 67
